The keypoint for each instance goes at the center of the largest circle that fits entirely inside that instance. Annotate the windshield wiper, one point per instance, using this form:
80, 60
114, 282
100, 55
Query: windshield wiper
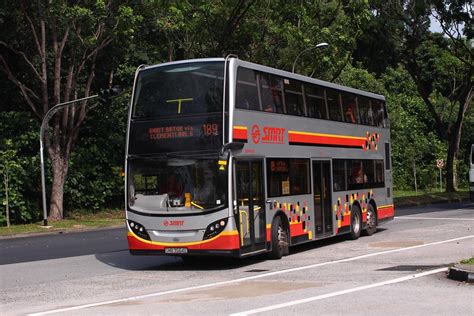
150, 158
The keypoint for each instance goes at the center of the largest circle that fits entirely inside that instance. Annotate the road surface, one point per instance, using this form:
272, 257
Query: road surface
399, 270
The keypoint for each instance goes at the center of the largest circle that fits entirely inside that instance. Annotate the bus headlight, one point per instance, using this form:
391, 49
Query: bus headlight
215, 228
138, 230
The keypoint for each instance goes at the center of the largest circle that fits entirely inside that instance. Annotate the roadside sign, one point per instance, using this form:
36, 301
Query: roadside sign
440, 163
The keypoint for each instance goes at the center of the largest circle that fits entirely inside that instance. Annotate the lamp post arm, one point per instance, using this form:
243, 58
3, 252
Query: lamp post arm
296, 59
44, 125
305, 50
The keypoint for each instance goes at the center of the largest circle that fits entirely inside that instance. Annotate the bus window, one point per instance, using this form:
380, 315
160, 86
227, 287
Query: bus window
379, 174
299, 179
287, 176
247, 93
365, 111
349, 108
315, 101
271, 94
339, 177
278, 177
334, 105
179, 89
368, 167
294, 97
356, 174
378, 110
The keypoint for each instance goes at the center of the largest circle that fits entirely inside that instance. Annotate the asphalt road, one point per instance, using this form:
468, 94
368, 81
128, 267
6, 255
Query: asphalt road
399, 270
62, 245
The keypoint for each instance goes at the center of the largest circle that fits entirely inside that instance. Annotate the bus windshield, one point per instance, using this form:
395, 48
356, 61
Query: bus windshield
190, 88
183, 185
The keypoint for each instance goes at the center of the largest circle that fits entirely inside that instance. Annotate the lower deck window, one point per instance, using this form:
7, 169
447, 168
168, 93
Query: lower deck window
287, 176
354, 174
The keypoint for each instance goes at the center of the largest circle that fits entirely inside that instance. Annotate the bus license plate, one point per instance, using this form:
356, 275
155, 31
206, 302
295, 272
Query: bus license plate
176, 250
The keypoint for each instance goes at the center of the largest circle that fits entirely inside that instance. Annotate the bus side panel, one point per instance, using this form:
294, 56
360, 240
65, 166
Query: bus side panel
251, 127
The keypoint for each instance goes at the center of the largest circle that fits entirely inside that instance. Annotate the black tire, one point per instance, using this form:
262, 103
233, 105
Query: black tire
371, 225
356, 222
279, 240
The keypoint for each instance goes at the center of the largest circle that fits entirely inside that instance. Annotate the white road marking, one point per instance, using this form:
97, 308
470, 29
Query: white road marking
198, 287
328, 295
434, 218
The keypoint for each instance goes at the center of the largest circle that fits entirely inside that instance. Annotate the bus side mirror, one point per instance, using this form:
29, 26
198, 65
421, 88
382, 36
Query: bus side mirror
232, 146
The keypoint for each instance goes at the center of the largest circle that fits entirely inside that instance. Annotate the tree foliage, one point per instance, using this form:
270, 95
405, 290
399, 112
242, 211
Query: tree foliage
57, 51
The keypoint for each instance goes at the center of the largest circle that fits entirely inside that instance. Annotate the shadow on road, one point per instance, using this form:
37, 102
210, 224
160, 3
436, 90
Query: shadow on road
124, 260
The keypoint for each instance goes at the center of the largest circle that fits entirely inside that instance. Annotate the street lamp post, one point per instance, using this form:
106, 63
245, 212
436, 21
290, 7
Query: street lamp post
44, 125
104, 94
305, 50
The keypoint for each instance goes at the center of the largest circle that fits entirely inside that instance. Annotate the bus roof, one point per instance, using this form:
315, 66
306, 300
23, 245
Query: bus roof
275, 71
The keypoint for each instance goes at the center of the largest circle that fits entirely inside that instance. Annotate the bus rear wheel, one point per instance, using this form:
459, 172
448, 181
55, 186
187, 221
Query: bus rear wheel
356, 222
280, 242
371, 225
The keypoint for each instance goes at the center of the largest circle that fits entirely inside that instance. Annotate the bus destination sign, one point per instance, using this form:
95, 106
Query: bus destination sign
170, 132
175, 135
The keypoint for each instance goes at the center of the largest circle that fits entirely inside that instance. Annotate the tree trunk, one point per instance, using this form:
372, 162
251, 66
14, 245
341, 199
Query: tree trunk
414, 175
60, 168
465, 100
452, 151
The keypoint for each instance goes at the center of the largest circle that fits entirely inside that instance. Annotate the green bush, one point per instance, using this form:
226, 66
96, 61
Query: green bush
20, 163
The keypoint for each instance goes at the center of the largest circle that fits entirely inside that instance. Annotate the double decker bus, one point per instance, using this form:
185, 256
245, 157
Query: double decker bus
227, 157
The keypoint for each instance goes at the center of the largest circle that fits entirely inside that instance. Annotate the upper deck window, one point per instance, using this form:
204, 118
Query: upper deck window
247, 92
190, 88
271, 93
334, 105
365, 111
349, 107
263, 91
294, 97
315, 101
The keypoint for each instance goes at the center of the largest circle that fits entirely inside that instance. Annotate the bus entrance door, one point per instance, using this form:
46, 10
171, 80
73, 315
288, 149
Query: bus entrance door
250, 208
322, 198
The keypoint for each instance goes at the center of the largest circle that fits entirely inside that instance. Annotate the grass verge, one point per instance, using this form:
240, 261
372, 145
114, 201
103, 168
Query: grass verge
468, 261
411, 198
73, 221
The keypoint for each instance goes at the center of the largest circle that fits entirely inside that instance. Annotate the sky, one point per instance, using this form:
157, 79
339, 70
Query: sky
435, 27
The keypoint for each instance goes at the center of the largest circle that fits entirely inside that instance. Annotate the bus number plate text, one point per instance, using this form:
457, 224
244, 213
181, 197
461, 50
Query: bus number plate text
176, 250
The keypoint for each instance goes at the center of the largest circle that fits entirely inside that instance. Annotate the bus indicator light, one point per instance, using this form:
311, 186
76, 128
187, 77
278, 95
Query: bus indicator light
187, 199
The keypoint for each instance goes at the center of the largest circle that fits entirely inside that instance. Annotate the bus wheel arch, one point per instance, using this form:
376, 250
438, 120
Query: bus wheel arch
356, 221
280, 236
372, 219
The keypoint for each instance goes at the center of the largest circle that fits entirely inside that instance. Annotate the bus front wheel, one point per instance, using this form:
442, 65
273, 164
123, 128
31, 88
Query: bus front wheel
356, 222
280, 242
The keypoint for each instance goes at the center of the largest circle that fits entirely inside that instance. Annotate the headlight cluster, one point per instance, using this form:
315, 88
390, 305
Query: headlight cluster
139, 230
215, 228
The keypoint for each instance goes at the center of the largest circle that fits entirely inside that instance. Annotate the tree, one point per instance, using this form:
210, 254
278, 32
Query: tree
54, 60
441, 65
442, 68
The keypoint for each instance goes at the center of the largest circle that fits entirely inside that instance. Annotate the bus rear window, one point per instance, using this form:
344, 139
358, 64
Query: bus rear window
181, 89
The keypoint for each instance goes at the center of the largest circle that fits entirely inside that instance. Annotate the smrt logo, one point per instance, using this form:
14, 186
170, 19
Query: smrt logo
173, 223
273, 135
255, 134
